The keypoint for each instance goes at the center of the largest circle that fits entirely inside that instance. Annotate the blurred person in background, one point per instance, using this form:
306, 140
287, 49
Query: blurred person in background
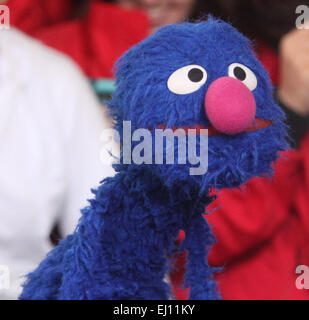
50, 150
92, 32
95, 33
161, 12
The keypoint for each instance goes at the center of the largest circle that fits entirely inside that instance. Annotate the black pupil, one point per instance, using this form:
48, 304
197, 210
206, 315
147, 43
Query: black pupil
195, 75
240, 74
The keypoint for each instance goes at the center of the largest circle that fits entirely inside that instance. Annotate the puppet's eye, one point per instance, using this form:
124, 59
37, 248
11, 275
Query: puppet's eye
244, 74
187, 79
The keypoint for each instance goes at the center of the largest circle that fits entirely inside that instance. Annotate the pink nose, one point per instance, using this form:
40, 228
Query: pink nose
230, 105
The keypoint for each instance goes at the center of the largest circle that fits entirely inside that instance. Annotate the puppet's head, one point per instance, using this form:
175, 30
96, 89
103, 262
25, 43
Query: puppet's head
201, 76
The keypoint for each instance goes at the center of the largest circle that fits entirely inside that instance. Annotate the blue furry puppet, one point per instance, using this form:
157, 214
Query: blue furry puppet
186, 76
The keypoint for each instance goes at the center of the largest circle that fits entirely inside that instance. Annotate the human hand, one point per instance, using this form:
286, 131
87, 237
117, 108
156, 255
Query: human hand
293, 90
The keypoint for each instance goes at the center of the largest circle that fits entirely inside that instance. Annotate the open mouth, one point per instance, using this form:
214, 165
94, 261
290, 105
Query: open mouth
257, 125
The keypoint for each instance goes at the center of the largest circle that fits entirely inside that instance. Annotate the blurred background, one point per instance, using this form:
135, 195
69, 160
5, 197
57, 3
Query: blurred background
56, 63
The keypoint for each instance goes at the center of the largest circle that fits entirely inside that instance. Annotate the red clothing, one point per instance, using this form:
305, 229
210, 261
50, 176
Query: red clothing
30, 15
262, 233
95, 42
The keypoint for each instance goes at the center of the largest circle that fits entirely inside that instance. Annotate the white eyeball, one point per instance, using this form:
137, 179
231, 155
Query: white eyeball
187, 79
244, 74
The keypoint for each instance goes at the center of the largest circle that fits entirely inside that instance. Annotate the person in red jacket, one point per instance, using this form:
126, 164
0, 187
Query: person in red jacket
93, 33
96, 33
30, 16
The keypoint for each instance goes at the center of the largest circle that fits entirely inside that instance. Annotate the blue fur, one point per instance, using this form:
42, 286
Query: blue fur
121, 246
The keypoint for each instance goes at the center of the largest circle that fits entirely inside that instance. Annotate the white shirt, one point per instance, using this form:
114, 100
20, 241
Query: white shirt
50, 126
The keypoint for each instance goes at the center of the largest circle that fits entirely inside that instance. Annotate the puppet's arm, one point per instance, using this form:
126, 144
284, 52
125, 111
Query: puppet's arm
114, 256
44, 282
199, 275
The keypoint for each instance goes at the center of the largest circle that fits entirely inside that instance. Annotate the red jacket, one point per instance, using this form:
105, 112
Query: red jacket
30, 16
262, 234
95, 42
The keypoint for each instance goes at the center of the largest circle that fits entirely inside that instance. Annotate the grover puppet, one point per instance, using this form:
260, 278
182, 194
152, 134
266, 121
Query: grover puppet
186, 76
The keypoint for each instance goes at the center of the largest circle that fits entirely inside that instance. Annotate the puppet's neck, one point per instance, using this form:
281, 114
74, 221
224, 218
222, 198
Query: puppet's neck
180, 202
